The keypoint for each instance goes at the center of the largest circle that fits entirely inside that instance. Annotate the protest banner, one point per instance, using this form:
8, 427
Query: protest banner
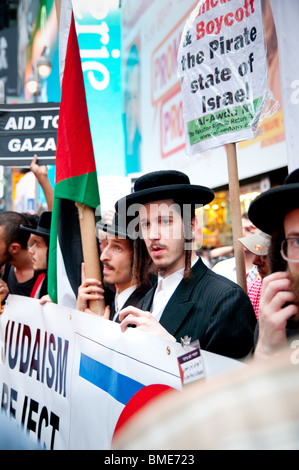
26, 130
66, 376
222, 65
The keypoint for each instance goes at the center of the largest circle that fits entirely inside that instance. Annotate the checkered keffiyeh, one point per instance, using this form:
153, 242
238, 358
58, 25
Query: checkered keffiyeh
254, 293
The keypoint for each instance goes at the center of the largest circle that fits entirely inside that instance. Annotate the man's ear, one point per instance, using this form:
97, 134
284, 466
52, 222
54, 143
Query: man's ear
194, 225
14, 248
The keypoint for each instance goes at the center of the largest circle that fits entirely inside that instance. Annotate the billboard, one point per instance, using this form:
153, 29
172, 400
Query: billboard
98, 29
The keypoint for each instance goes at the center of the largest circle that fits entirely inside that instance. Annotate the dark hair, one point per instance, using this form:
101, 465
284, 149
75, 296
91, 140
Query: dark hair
276, 262
187, 218
13, 234
142, 265
32, 219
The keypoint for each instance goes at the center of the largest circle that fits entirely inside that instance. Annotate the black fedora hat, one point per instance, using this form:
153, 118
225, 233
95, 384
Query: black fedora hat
118, 227
268, 210
166, 184
43, 225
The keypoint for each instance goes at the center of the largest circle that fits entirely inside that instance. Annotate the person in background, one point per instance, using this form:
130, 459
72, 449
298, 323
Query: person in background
221, 253
276, 212
18, 276
116, 258
38, 247
258, 244
227, 267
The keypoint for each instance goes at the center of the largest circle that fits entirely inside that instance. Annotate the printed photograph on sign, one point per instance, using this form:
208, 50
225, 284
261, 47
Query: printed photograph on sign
131, 107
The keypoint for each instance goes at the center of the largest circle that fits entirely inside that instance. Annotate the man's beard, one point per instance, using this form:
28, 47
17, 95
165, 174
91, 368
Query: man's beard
5, 259
295, 289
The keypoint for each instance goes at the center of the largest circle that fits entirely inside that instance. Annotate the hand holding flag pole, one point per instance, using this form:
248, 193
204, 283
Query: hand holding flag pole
90, 253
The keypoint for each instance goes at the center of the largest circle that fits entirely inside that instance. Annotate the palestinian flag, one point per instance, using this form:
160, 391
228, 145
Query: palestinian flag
76, 177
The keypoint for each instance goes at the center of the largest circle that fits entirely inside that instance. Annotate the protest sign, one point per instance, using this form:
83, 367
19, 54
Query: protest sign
66, 376
223, 70
222, 65
26, 130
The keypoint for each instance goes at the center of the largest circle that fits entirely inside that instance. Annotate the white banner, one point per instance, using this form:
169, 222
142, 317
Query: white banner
223, 70
66, 376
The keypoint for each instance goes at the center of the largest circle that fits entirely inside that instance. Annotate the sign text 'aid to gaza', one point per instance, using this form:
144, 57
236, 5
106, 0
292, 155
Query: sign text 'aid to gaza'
223, 70
26, 129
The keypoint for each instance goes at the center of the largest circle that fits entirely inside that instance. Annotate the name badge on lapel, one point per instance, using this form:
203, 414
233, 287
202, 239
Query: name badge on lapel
190, 361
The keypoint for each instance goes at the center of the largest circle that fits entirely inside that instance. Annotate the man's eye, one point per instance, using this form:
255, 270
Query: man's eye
295, 242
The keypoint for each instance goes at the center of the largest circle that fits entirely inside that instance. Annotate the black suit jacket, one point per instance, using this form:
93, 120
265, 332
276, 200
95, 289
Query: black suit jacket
212, 309
135, 299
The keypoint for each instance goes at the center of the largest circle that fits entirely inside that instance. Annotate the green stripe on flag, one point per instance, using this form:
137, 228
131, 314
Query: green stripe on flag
52, 263
82, 188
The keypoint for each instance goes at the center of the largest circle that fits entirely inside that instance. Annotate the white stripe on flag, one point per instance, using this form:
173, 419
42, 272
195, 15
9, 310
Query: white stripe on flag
65, 293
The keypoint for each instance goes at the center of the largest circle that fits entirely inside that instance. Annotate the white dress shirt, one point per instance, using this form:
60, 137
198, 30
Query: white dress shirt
121, 298
165, 289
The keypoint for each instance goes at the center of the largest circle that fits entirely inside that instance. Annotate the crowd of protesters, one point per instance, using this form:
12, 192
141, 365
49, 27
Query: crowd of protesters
155, 281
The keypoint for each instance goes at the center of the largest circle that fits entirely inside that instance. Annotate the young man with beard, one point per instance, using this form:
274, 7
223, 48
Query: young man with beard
276, 212
116, 258
189, 300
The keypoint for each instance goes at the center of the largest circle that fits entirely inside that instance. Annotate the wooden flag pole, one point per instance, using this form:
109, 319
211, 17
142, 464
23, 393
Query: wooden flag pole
57, 6
234, 191
90, 252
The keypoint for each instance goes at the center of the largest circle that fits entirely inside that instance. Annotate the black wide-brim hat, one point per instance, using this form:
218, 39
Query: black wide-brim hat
118, 227
43, 226
166, 184
268, 210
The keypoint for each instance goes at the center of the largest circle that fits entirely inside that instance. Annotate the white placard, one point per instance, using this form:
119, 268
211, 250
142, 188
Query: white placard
223, 70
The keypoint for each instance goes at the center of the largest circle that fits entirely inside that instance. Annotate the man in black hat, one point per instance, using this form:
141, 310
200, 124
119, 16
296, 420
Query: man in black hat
38, 247
189, 300
276, 212
116, 248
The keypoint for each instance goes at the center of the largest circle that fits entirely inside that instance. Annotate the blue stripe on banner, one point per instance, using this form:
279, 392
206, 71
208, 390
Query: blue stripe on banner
119, 386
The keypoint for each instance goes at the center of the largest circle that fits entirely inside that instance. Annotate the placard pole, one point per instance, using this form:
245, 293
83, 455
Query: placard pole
234, 191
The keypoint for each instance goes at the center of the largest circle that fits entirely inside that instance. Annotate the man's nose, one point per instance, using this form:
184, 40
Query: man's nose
154, 232
105, 254
257, 260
